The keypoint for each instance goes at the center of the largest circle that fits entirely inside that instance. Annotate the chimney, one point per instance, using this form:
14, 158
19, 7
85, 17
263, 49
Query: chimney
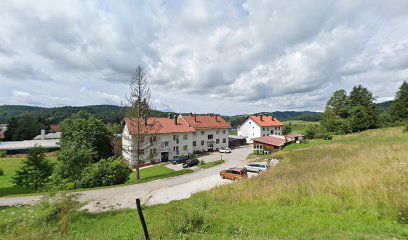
261, 116
42, 134
195, 117
175, 119
170, 115
273, 119
191, 114
216, 117
145, 121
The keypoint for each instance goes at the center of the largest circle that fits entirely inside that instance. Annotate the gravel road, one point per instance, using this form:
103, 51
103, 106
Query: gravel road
154, 192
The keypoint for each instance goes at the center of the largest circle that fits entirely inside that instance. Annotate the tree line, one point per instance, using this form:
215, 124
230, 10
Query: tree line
357, 111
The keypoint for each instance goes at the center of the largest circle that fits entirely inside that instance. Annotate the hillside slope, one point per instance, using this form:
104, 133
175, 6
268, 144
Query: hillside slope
353, 187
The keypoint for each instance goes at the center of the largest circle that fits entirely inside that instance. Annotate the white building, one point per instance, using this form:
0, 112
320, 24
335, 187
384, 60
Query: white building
259, 126
170, 137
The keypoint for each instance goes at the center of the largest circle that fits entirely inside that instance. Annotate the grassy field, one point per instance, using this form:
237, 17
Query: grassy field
211, 164
298, 126
157, 172
353, 187
10, 165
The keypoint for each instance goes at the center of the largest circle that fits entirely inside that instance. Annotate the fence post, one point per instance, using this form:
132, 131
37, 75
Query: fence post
64, 220
142, 220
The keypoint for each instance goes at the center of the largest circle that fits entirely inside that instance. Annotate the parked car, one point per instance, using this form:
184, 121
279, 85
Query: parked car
225, 150
180, 159
234, 173
190, 163
257, 166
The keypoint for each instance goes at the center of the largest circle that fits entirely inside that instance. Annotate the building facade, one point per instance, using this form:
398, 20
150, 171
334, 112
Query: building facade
258, 126
167, 138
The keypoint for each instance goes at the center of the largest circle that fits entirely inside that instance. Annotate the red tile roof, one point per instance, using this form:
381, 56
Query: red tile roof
204, 122
158, 125
271, 140
55, 128
267, 121
2, 135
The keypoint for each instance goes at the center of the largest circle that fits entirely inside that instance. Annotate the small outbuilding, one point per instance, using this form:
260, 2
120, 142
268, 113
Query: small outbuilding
269, 144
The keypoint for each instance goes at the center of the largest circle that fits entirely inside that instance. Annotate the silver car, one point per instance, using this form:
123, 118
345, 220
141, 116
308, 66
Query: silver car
256, 167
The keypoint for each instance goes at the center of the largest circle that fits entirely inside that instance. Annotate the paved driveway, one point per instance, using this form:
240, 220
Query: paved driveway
153, 192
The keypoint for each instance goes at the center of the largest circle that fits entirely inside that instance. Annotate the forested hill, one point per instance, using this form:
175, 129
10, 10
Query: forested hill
112, 113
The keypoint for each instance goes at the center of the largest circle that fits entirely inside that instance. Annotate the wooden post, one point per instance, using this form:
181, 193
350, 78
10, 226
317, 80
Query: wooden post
64, 220
221, 157
142, 220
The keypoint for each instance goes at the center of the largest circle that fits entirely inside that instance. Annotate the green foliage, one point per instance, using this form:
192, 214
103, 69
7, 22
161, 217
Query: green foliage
399, 107
406, 128
356, 112
287, 129
3, 154
73, 158
339, 103
35, 170
317, 132
85, 129
1, 172
24, 128
106, 172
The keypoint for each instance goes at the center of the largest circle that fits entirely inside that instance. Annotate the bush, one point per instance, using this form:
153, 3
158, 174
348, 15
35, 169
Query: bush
406, 128
3, 153
201, 163
1, 172
106, 172
317, 132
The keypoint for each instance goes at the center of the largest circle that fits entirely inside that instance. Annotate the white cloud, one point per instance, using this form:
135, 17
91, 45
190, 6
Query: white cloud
202, 55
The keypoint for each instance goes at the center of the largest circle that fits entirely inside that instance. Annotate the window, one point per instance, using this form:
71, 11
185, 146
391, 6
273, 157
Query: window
210, 137
202, 142
202, 132
153, 139
185, 137
175, 137
276, 128
263, 129
271, 131
217, 141
217, 132
249, 122
194, 133
166, 143
224, 131
194, 143
177, 141
185, 147
263, 135
175, 149
224, 140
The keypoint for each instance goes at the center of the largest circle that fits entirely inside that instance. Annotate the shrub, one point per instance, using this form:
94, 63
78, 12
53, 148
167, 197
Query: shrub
202, 162
3, 153
406, 128
317, 132
106, 172
1, 172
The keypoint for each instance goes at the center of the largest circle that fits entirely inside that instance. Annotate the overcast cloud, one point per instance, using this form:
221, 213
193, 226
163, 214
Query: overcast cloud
201, 55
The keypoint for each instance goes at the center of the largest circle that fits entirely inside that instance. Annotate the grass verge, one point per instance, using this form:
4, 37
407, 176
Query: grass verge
211, 164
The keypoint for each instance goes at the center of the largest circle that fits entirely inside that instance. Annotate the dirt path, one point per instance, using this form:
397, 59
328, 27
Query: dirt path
154, 192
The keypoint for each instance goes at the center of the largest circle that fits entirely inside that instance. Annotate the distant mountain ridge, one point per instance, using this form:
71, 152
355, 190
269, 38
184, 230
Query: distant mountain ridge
113, 113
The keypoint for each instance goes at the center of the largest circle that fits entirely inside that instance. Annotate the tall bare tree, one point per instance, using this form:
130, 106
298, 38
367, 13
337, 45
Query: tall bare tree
142, 141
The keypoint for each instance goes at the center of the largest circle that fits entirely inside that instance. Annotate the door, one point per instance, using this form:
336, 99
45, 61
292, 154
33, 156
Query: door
165, 156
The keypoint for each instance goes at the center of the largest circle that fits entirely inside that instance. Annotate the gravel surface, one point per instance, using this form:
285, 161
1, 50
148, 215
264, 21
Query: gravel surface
154, 192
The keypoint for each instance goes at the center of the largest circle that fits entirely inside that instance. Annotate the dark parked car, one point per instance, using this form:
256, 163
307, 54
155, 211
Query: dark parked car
180, 159
190, 163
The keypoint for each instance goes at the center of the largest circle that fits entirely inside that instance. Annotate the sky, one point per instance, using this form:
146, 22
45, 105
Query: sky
200, 56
